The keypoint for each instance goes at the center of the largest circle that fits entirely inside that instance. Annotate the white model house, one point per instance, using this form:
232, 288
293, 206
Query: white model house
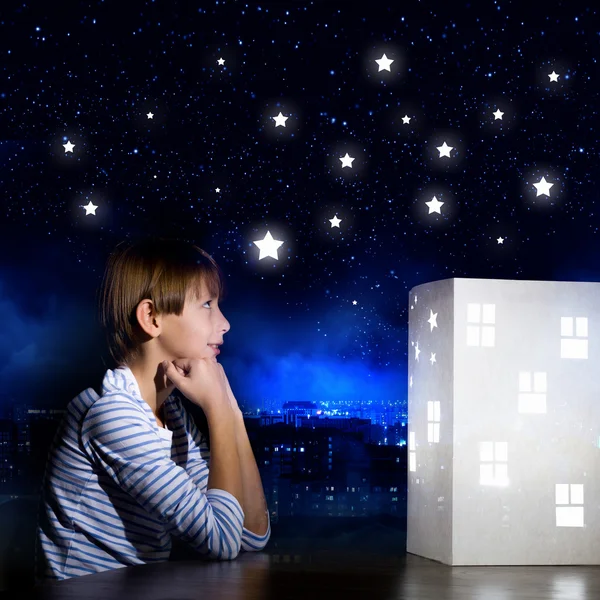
504, 422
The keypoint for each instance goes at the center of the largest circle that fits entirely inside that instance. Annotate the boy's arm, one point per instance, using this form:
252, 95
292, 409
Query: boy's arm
120, 441
198, 464
255, 506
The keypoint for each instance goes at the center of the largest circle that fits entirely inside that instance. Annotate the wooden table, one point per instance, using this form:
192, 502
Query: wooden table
263, 576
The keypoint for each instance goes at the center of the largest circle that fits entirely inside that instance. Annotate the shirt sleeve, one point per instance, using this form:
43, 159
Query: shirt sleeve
118, 439
197, 466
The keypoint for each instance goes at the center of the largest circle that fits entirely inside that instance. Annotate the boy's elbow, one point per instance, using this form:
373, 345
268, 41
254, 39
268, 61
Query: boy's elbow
225, 552
228, 546
225, 528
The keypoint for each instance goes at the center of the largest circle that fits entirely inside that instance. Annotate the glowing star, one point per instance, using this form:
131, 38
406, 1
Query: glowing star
218, 190
432, 359
68, 147
354, 302
554, 76
434, 206
444, 150
500, 240
90, 209
406, 119
335, 222
346, 161
150, 115
417, 351
384, 63
268, 246
498, 115
280, 120
432, 319
221, 61
543, 187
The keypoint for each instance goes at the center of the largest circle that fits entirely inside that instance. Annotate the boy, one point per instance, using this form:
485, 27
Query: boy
128, 468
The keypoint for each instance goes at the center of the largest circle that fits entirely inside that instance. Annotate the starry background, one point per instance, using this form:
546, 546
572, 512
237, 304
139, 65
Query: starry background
327, 320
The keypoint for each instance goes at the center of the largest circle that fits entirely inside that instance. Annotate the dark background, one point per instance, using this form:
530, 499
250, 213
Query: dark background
88, 74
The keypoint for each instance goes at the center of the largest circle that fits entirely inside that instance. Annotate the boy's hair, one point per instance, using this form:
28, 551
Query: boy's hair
164, 270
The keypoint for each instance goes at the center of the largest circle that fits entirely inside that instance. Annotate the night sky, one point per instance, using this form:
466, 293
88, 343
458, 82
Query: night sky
160, 117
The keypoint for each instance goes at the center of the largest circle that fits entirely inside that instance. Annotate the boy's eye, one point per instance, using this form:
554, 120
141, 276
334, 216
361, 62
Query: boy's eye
207, 302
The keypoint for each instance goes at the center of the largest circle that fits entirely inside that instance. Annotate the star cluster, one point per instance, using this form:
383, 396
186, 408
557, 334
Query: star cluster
330, 156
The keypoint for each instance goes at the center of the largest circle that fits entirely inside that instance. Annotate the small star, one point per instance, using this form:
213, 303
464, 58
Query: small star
384, 63
335, 222
543, 187
444, 150
150, 115
218, 190
354, 302
417, 351
406, 119
498, 115
432, 319
500, 240
68, 147
268, 246
432, 359
553, 76
280, 120
90, 209
410, 381
221, 61
434, 206
346, 161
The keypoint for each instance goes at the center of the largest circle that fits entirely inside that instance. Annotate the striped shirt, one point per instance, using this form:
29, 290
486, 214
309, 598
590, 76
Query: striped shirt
117, 486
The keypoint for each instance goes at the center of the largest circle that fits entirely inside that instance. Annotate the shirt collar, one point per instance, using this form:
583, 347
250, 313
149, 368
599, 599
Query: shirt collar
123, 379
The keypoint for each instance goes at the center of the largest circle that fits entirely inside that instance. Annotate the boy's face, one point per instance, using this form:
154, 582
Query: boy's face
200, 324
